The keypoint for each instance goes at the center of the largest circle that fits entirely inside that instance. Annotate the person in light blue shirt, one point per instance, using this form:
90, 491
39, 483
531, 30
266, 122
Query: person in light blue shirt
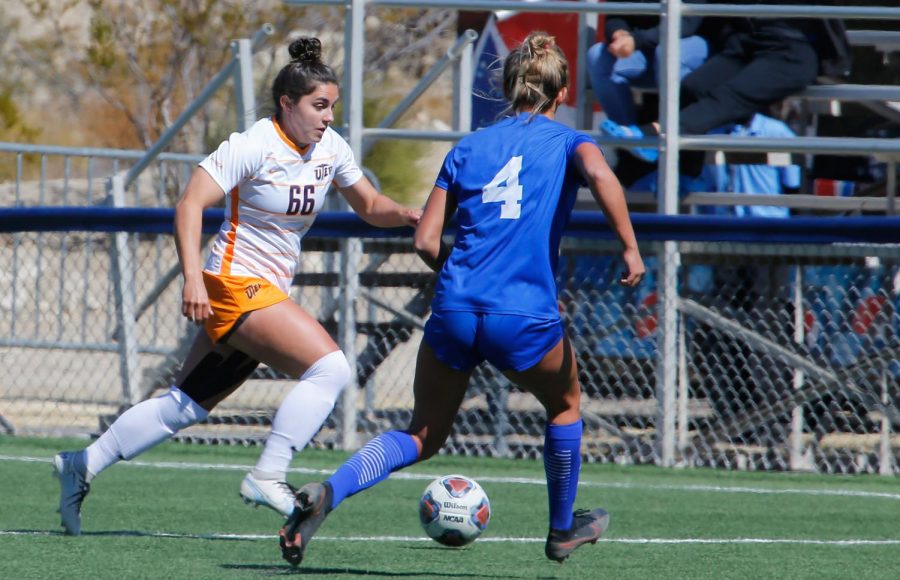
758, 179
512, 187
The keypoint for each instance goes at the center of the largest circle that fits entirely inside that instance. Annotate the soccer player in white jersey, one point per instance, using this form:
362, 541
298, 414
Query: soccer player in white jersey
274, 178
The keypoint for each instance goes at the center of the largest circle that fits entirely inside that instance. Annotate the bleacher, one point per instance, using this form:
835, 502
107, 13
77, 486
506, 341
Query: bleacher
829, 97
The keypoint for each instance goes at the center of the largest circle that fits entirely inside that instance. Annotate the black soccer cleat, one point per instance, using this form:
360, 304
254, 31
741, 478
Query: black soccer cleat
313, 504
587, 527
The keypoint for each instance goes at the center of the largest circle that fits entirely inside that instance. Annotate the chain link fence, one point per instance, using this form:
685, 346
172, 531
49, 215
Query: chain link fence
787, 354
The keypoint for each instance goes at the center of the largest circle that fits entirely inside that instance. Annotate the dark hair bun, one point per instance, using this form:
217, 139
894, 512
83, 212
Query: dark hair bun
306, 49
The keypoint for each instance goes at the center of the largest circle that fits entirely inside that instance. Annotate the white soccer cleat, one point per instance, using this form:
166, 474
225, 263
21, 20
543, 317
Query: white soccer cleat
69, 468
273, 494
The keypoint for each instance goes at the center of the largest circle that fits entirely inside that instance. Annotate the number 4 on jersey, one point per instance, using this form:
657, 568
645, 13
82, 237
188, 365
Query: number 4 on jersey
505, 189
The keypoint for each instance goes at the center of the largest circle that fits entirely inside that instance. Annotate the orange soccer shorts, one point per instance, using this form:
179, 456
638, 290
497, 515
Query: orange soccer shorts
232, 297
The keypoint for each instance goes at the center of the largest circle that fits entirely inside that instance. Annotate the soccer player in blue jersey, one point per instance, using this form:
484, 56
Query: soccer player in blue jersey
512, 187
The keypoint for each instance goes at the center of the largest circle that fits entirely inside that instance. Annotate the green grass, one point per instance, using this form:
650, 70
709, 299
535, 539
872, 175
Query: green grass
152, 521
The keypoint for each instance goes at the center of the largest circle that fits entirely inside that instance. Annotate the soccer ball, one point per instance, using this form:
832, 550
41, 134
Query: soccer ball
454, 510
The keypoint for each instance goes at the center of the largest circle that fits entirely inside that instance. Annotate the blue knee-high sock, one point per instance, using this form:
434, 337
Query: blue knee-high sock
562, 462
373, 463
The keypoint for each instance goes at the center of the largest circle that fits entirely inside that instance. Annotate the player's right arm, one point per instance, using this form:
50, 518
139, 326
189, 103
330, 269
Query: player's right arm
608, 192
428, 242
201, 192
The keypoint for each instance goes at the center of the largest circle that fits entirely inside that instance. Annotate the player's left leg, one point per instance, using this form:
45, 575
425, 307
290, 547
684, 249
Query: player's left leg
286, 337
438, 390
554, 381
299, 416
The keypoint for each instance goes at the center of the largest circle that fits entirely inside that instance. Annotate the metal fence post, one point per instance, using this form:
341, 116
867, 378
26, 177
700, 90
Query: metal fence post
351, 248
245, 98
584, 106
885, 457
463, 75
799, 458
122, 271
683, 391
668, 256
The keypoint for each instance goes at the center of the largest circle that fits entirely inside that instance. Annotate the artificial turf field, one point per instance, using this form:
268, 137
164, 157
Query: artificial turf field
175, 513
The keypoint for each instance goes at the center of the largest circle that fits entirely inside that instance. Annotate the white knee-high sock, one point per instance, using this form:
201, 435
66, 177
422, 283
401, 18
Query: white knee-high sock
302, 413
141, 427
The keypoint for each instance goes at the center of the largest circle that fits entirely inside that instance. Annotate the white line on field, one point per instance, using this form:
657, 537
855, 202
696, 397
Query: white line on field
489, 539
518, 480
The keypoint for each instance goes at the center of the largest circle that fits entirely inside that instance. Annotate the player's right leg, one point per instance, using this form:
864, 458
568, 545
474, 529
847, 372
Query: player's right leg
151, 422
138, 429
438, 390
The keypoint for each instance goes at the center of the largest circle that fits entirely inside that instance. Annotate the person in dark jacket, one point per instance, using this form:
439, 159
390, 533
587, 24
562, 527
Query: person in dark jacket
759, 61
630, 57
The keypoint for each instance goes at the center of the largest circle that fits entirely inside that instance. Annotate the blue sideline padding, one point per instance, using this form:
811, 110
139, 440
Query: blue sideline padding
649, 227
161, 220
796, 230
97, 219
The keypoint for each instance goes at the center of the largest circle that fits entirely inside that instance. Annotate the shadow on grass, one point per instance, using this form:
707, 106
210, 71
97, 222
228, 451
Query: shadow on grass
285, 569
137, 534
173, 535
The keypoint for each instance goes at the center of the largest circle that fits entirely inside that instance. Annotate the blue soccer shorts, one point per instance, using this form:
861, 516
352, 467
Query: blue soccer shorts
461, 340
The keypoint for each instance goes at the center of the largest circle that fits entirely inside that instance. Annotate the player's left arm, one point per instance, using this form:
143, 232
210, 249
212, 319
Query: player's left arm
429, 243
607, 191
377, 209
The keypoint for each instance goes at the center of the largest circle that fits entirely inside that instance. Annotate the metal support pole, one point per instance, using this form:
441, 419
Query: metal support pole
683, 390
351, 248
799, 458
669, 105
122, 270
668, 256
667, 352
243, 84
584, 107
463, 75
885, 458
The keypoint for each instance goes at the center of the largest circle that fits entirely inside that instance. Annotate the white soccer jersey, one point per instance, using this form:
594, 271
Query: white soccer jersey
274, 191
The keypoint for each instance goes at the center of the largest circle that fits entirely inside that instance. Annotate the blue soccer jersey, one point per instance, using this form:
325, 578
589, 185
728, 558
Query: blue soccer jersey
515, 184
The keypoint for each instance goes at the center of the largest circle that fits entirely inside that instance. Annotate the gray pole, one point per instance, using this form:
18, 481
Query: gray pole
584, 107
668, 257
463, 75
123, 279
351, 248
243, 84
800, 458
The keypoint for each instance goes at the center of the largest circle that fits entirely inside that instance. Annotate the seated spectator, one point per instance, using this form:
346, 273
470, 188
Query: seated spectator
630, 57
761, 61
749, 178
761, 179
